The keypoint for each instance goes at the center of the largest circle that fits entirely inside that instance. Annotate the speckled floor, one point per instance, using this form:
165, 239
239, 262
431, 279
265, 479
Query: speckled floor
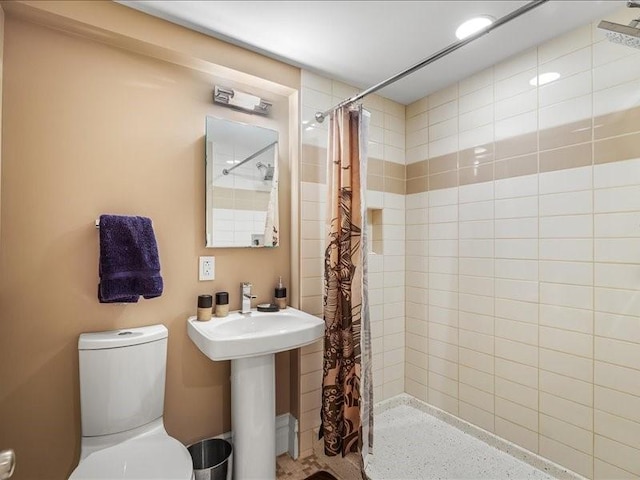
410, 444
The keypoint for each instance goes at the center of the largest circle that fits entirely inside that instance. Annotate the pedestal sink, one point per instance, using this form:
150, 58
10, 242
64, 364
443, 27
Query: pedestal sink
251, 341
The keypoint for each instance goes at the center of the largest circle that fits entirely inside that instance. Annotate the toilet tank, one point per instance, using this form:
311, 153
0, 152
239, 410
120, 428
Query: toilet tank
122, 377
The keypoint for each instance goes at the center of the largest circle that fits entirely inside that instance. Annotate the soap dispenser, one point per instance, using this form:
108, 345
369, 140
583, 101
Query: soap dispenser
280, 295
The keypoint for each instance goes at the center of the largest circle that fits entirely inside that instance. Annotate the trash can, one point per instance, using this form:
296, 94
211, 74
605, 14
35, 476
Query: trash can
212, 459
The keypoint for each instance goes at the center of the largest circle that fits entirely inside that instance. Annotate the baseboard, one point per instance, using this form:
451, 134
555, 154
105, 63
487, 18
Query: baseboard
286, 435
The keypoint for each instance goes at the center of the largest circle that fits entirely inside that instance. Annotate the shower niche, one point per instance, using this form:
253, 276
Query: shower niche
241, 204
374, 230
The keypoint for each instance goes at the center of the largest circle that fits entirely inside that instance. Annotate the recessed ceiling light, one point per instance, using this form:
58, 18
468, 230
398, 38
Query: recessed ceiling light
473, 25
543, 78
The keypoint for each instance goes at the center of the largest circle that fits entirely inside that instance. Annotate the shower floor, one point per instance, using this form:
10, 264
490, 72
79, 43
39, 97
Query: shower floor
411, 444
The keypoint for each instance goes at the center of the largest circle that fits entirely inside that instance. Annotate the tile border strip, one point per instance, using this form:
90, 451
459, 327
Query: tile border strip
606, 138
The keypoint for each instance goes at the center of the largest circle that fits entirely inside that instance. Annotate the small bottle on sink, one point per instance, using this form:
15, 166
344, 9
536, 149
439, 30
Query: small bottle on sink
280, 295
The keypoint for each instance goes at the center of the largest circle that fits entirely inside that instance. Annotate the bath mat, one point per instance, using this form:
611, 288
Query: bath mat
321, 475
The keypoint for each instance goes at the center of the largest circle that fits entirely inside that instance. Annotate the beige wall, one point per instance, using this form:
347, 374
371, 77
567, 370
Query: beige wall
91, 129
1, 64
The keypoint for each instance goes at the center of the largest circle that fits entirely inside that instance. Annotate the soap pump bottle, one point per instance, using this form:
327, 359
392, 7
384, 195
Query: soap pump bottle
280, 295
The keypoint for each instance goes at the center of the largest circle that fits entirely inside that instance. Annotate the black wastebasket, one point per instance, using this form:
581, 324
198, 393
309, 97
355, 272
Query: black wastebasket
212, 459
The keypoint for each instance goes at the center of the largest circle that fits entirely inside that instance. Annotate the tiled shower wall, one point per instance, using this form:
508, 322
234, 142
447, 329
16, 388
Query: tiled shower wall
521, 248
523, 252
386, 201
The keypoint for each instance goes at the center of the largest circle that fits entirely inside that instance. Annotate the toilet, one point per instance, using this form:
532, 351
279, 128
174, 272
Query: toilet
122, 379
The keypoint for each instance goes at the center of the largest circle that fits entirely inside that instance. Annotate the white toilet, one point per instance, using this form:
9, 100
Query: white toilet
122, 377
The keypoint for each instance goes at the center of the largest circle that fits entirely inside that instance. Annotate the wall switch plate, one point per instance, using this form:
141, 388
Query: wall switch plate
207, 269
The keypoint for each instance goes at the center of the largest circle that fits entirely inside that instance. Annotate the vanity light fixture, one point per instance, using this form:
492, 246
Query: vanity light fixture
237, 99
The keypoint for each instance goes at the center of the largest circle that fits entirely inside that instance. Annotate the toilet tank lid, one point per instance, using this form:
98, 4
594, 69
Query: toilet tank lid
125, 337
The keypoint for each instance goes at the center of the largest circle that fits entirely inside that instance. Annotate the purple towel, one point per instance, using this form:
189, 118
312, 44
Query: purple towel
129, 262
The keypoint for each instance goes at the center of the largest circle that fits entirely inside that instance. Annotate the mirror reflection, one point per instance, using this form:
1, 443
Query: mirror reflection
242, 185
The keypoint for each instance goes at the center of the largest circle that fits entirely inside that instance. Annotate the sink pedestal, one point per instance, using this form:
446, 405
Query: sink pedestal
251, 341
253, 417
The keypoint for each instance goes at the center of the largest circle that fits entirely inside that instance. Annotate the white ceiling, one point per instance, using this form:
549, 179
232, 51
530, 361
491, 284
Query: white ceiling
365, 42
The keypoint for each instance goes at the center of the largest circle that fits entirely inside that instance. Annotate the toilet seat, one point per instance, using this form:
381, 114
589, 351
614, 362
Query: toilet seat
152, 457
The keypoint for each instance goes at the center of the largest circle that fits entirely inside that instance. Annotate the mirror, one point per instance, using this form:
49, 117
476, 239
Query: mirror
242, 185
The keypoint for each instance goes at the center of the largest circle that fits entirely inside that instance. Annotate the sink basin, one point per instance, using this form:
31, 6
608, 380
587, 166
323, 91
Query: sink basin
254, 334
251, 341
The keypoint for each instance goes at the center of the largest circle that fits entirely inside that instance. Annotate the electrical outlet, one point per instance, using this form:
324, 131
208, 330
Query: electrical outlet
207, 269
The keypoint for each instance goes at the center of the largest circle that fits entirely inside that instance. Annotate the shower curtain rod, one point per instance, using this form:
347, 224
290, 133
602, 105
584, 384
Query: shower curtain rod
227, 171
320, 116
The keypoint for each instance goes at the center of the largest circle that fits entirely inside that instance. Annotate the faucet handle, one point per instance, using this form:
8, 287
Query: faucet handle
246, 290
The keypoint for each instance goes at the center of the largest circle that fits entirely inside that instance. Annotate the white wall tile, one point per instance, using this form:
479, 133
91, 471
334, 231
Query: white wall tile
443, 112
516, 269
617, 225
443, 146
521, 290
476, 118
579, 250
517, 207
516, 64
476, 81
480, 248
442, 214
443, 129
475, 193
573, 110
517, 104
574, 273
517, 187
615, 99
517, 310
574, 296
617, 174
569, 64
622, 70
614, 275
476, 266
622, 302
563, 226
475, 100
476, 136
564, 44
442, 96
566, 203
524, 249
621, 250
565, 88
517, 125
516, 228
569, 180
475, 229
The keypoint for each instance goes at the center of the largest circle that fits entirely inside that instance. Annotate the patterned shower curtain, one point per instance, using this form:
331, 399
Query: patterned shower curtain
347, 395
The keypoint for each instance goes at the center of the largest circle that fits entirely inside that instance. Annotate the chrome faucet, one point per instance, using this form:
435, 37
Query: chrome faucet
246, 297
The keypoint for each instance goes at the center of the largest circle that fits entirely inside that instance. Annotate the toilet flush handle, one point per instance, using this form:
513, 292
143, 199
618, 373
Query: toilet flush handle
7, 463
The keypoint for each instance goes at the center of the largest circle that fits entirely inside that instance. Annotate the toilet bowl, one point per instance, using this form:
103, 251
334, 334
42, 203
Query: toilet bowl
122, 380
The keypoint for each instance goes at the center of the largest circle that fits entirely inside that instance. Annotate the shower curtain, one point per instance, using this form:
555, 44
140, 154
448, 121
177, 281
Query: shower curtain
347, 415
272, 223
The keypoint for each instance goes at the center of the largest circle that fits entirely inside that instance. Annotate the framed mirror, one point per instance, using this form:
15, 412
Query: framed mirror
241, 185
